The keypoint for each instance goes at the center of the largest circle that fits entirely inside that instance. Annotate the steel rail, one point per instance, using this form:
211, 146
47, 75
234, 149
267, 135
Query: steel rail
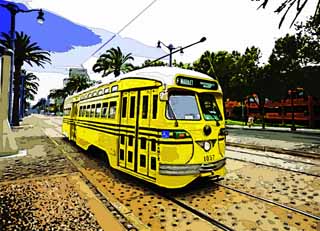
274, 157
271, 202
168, 197
272, 166
276, 150
196, 212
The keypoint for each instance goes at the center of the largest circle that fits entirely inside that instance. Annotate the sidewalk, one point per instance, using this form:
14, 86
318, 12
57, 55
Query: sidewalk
42, 190
276, 129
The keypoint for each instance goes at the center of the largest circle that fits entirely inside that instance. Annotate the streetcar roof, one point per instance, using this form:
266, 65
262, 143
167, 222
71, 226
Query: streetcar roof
165, 75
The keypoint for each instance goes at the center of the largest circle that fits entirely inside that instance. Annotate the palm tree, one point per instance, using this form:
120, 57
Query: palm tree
113, 61
40, 105
25, 52
78, 82
75, 83
59, 96
30, 87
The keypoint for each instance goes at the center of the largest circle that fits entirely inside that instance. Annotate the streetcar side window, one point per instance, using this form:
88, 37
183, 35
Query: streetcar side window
145, 107
92, 110
104, 110
124, 107
155, 107
80, 111
153, 163
132, 106
112, 110
83, 112
143, 160
88, 111
98, 110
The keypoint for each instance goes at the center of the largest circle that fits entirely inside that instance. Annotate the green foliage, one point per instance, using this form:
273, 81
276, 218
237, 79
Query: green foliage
113, 61
309, 33
40, 105
75, 83
30, 87
78, 82
235, 72
150, 63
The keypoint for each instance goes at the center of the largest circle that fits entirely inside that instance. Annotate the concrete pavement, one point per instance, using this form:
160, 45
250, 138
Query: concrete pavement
42, 190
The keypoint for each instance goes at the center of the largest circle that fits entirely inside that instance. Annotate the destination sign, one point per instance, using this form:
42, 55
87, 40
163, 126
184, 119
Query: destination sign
196, 83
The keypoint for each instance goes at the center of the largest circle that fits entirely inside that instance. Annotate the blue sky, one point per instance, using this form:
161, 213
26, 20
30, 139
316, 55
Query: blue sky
52, 35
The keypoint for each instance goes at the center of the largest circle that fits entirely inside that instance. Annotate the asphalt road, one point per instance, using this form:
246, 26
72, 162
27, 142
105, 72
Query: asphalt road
286, 140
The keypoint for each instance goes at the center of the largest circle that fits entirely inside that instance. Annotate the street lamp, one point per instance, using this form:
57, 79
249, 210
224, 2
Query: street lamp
13, 10
173, 49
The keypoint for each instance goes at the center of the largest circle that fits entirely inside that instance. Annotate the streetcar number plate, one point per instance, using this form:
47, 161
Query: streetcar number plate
209, 158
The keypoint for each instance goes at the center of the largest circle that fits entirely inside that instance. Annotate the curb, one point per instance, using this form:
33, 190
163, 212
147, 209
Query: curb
283, 130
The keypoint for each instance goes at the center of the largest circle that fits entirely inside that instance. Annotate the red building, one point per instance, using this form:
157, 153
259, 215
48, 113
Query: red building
306, 110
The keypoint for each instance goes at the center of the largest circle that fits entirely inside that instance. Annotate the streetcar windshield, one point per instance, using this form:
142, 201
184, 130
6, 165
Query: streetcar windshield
209, 107
182, 106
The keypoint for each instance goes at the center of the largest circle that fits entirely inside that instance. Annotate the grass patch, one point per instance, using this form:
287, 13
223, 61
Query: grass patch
258, 123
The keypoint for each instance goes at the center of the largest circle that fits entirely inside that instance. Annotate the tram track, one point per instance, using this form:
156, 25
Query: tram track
271, 202
128, 224
247, 206
197, 211
204, 216
273, 166
121, 210
273, 157
215, 219
312, 155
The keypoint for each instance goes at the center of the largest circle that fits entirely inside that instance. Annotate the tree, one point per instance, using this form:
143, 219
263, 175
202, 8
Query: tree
40, 105
286, 6
287, 60
182, 65
30, 87
150, 63
75, 83
113, 61
309, 34
234, 71
58, 95
219, 65
246, 69
78, 82
25, 52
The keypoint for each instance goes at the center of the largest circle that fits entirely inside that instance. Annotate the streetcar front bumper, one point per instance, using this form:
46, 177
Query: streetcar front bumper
190, 169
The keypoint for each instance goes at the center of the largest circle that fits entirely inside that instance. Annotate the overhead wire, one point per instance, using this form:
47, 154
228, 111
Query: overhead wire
124, 27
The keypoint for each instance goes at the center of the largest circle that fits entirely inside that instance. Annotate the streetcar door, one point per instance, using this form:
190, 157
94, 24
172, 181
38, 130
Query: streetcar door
74, 111
147, 135
128, 122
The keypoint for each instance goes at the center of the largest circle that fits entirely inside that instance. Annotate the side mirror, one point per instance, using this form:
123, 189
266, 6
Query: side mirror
163, 96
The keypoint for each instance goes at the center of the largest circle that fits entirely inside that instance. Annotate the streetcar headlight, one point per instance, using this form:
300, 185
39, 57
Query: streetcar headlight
206, 146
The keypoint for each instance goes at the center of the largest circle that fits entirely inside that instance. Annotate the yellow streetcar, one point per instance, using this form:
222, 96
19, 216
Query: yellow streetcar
164, 125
